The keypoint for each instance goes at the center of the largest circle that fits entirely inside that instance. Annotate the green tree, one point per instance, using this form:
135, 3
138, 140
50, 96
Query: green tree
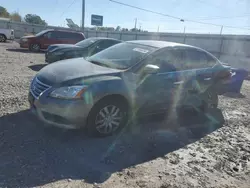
34, 19
118, 28
15, 16
4, 13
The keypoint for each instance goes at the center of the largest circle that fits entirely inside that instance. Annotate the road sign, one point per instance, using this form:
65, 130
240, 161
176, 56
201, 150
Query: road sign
96, 20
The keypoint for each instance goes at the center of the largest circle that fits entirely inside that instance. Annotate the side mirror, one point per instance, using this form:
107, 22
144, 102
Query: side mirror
151, 69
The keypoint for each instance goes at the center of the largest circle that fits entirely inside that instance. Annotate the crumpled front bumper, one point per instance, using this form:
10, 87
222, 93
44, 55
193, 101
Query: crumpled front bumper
69, 114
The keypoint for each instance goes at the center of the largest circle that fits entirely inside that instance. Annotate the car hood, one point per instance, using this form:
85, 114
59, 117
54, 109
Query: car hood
67, 70
28, 37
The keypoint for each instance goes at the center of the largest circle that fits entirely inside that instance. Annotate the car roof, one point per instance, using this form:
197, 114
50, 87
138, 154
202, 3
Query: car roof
159, 44
69, 31
103, 38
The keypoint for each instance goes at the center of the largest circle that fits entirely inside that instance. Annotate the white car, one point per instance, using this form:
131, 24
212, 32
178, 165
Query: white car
6, 34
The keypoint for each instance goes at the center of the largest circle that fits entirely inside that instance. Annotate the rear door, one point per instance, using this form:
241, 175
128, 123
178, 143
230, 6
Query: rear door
70, 37
201, 64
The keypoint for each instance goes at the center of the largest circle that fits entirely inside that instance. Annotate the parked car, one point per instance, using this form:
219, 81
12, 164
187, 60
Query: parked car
6, 34
83, 48
101, 92
48, 37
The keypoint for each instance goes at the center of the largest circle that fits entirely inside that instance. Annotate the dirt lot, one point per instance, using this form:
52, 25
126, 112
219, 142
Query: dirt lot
217, 154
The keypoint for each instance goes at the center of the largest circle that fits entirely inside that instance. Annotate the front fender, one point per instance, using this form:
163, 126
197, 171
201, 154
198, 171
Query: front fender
104, 86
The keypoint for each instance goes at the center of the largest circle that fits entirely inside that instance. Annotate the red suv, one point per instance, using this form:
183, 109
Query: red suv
47, 37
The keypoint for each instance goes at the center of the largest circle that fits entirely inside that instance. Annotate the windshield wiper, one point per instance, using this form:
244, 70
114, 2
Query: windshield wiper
98, 63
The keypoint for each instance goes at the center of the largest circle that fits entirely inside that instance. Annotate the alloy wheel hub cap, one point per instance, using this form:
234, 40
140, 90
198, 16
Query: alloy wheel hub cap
108, 119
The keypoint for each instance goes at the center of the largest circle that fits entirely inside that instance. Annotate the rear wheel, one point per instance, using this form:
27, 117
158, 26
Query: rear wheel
107, 117
34, 47
2, 38
211, 99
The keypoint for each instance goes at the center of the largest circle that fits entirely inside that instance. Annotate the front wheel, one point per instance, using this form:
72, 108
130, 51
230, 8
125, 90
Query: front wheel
2, 38
107, 117
34, 47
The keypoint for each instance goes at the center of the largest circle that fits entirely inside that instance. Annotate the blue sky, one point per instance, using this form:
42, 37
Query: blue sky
115, 14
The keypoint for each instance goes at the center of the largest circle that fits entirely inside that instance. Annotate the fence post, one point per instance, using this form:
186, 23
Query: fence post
221, 45
107, 34
184, 39
87, 33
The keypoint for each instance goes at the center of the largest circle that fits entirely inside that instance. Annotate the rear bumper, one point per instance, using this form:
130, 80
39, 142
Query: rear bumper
11, 38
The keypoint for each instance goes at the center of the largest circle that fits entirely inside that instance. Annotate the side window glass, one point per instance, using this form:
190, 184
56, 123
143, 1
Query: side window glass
195, 59
211, 61
47, 35
105, 44
55, 35
168, 60
63, 35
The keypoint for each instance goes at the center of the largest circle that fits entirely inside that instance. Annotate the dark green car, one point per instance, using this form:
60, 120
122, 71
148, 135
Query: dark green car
83, 48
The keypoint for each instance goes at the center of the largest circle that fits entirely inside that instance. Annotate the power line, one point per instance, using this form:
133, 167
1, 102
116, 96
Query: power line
68, 8
175, 17
225, 17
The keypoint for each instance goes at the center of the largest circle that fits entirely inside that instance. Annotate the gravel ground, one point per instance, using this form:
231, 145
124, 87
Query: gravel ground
152, 154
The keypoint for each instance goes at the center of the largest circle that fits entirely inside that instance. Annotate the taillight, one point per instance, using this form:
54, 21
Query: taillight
224, 75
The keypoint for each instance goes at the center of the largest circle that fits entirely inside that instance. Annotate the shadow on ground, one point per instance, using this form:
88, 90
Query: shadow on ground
37, 67
32, 155
22, 50
234, 95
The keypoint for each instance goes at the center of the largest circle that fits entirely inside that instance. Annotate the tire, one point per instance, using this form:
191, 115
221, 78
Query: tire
2, 38
98, 126
34, 47
211, 100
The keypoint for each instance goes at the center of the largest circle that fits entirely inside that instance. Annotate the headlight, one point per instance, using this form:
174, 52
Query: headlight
71, 92
24, 40
58, 53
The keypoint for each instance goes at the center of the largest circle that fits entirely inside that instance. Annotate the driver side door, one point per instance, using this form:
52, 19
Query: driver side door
156, 92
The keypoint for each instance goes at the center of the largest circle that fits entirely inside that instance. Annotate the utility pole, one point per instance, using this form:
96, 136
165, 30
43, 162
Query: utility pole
83, 14
135, 22
184, 31
158, 29
221, 29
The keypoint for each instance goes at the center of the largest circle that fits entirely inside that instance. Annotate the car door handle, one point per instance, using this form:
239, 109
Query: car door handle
178, 83
207, 79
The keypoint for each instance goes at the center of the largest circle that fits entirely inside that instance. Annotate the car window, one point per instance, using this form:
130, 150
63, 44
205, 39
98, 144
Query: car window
103, 44
51, 35
196, 59
86, 42
169, 60
69, 35
63, 35
122, 55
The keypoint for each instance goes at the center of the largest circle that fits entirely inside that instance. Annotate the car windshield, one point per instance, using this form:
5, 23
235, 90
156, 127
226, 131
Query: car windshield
41, 33
86, 42
121, 56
